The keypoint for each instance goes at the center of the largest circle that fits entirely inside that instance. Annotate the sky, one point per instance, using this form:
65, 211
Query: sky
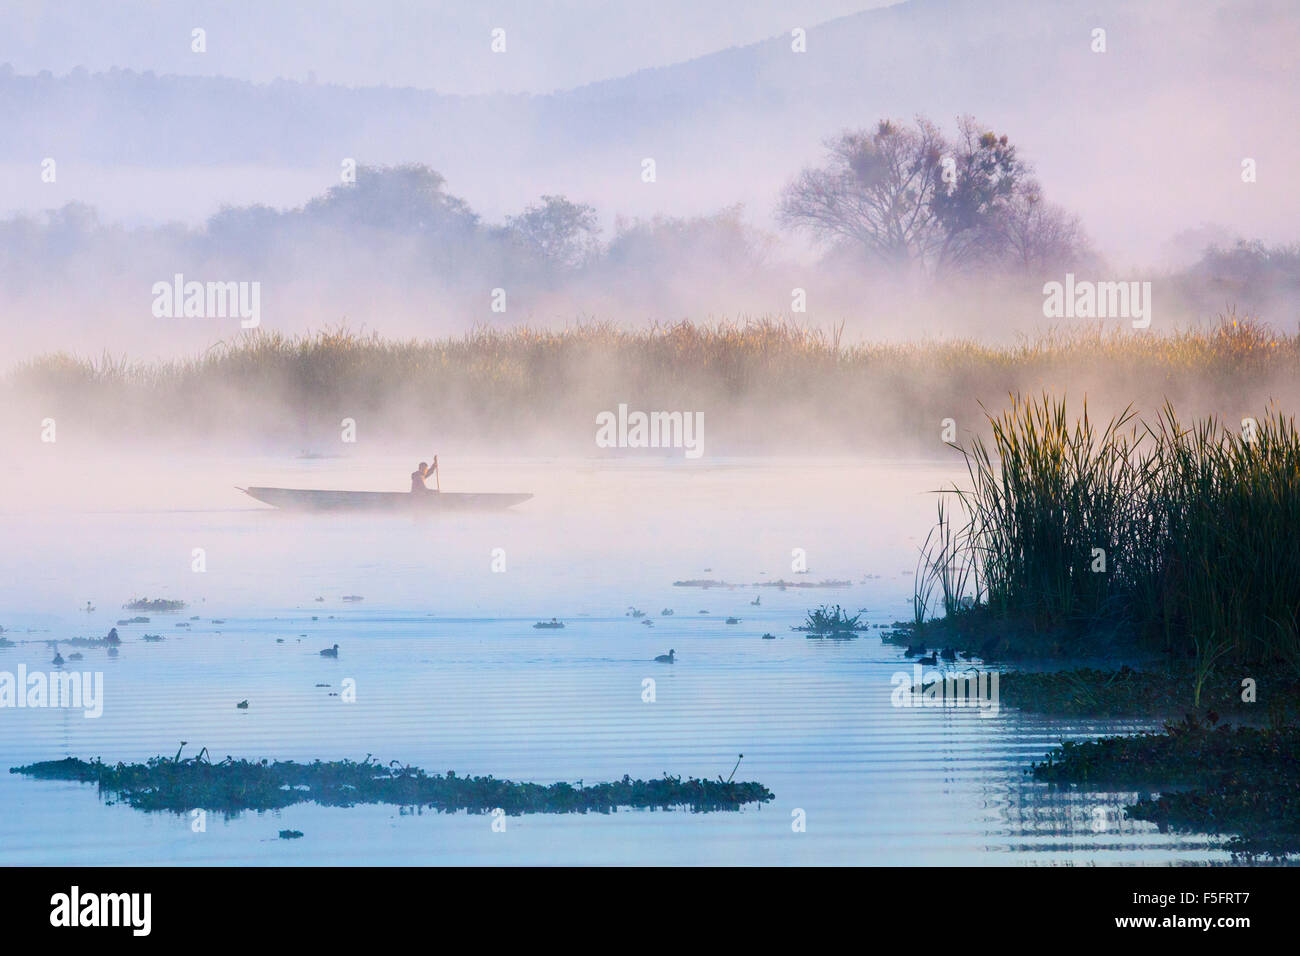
444, 45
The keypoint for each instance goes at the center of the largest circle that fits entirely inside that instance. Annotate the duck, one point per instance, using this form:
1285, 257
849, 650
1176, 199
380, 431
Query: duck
58, 658
769, 637
330, 651
242, 705
668, 658
112, 637
948, 654
932, 659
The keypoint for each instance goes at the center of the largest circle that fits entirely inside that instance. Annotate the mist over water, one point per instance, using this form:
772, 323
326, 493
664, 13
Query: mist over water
451, 675
451, 251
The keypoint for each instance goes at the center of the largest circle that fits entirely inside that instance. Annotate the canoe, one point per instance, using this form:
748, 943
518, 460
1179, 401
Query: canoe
310, 499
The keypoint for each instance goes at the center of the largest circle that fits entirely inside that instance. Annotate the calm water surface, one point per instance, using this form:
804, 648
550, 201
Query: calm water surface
450, 674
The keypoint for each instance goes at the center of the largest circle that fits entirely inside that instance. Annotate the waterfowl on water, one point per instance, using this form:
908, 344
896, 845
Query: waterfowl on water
242, 705
757, 601
932, 659
330, 651
667, 658
769, 637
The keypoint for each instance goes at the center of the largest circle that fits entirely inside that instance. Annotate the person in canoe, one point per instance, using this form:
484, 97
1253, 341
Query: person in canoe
420, 474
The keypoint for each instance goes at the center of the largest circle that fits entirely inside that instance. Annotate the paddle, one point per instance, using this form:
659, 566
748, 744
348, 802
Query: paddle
437, 476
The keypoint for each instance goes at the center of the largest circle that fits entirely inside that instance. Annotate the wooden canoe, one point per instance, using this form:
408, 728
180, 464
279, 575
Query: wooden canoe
310, 499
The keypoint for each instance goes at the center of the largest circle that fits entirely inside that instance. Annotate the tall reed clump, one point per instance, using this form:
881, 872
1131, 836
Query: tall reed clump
1184, 537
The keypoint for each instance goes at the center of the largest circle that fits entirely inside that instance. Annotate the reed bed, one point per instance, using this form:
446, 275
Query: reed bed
764, 381
1181, 537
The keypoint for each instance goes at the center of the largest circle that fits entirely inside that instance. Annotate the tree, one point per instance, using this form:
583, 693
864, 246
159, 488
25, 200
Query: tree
982, 175
409, 198
1037, 237
875, 191
560, 233
911, 198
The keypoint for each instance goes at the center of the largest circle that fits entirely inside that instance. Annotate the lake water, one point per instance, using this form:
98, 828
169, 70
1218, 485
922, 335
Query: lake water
450, 674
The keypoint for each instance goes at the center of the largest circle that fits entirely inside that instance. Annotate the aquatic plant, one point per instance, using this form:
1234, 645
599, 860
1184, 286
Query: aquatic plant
156, 604
1162, 692
831, 620
1220, 779
1181, 537
233, 786
765, 371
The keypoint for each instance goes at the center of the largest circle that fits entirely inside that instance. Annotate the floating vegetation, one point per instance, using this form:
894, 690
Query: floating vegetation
233, 786
161, 605
832, 620
133, 620
353, 597
781, 584
152, 638
290, 834
90, 641
552, 623
1161, 692
1238, 780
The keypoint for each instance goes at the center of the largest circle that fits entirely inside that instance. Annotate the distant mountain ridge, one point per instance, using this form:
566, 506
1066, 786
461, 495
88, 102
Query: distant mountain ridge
733, 126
